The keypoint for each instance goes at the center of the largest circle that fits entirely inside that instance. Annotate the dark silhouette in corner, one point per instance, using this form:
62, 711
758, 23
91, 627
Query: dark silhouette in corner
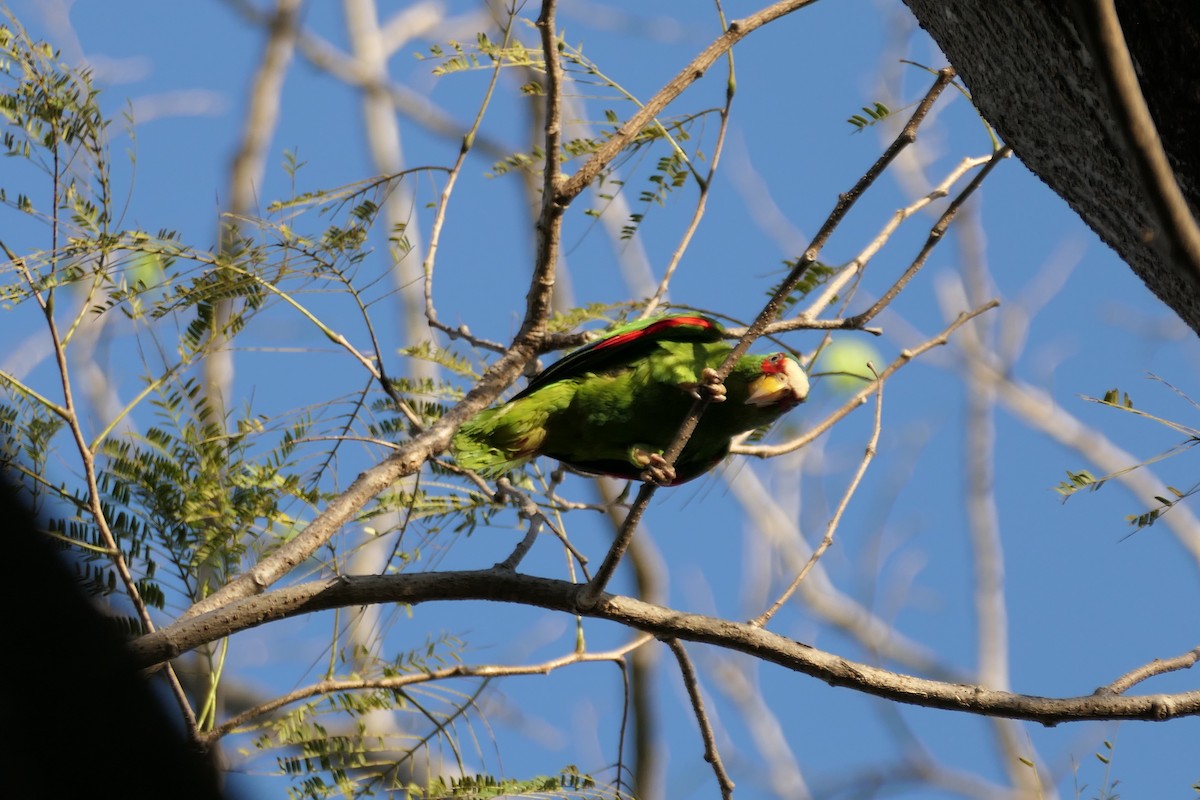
80, 719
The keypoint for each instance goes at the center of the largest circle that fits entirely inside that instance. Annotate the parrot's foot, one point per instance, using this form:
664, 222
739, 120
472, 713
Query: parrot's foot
657, 471
710, 386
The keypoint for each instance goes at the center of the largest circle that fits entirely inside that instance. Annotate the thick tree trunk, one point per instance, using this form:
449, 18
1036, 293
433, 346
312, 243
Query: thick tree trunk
1031, 76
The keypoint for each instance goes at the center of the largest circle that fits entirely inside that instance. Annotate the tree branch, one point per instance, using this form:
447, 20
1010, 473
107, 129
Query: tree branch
1101, 31
692, 684
695, 69
395, 682
501, 374
935, 235
907, 355
831, 528
1158, 666
770, 311
503, 586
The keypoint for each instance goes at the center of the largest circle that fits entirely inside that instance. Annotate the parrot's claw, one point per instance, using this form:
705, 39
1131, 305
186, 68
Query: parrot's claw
657, 471
710, 386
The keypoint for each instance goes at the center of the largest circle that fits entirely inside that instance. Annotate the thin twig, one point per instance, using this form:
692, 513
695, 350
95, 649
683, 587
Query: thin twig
528, 509
593, 589
1158, 666
935, 235
906, 356
439, 219
702, 200
1102, 34
395, 682
692, 684
695, 69
833, 288
835, 520
436, 438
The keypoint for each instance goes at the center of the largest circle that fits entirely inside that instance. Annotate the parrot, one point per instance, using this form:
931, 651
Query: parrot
613, 406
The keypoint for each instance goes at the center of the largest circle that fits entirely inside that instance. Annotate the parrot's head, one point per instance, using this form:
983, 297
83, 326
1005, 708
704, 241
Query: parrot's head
780, 383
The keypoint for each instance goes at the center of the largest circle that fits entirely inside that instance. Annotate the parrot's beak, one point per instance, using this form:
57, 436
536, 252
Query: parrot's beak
787, 386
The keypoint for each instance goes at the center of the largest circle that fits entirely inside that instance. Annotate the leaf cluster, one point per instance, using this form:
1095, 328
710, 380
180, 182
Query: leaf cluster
1083, 479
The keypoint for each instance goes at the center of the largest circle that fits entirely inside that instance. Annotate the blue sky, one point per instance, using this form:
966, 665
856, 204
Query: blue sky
1084, 603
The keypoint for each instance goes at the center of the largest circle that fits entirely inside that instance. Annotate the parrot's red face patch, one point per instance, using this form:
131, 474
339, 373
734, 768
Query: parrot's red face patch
782, 383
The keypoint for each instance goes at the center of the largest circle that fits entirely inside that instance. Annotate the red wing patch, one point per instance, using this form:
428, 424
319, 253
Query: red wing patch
655, 330
623, 346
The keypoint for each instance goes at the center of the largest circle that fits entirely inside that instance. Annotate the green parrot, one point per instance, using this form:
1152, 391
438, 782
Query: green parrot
612, 406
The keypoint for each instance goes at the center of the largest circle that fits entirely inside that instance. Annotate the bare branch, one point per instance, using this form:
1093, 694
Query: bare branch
692, 684
935, 235
1101, 31
502, 586
769, 312
528, 510
907, 355
738, 30
827, 539
834, 286
400, 681
1158, 666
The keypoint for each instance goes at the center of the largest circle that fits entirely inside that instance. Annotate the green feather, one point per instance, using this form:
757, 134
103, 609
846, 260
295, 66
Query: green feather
603, 408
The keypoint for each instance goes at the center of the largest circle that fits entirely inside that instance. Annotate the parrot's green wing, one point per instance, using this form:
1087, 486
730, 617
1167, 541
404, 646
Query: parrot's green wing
626, 344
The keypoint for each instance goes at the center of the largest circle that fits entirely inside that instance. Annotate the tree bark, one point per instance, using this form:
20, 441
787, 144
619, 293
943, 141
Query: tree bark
1032, 77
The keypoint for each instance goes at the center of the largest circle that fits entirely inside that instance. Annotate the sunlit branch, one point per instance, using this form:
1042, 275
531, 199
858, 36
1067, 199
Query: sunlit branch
769, 312
1159, 666
701, 201
906, 356
247, 718
935, 235
1101, 31
503, 586
835, 520
833, 288
692, 684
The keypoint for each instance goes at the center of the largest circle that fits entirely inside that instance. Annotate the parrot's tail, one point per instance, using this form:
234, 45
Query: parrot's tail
491, 445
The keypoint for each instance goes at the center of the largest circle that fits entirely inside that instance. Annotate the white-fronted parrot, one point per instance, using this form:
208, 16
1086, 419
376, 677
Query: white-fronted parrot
612, 406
